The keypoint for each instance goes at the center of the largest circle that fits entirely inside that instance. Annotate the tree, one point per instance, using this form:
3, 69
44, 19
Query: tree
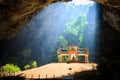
63, 41
77, 27
74, 32
9, 68
26, 54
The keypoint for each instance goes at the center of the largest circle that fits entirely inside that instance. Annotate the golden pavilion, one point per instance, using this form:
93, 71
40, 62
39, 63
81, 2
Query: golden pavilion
73, 54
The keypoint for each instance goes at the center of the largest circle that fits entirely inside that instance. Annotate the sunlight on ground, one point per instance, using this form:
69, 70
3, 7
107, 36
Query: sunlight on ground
56, 70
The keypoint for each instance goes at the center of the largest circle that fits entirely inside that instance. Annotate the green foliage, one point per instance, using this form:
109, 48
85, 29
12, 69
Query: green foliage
10, 68
80, 38
27, 66
75, 30
74, 27
63, 41
33, 64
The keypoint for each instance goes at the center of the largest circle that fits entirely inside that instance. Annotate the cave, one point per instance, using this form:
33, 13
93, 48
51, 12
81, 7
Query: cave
25, 26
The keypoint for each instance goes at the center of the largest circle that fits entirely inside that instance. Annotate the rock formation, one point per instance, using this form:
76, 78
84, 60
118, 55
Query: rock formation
15, 13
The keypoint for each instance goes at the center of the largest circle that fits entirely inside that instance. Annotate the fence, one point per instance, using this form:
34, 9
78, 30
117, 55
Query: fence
34, 76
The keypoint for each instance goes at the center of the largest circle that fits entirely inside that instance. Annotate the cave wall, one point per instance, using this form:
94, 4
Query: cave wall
15, 13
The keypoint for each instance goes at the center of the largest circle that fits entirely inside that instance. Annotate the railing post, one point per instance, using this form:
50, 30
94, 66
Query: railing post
25, 75
32, 76
39, 76
46, 76
54, 76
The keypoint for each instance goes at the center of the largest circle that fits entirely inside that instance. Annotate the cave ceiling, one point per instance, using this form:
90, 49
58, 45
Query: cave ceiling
15, 13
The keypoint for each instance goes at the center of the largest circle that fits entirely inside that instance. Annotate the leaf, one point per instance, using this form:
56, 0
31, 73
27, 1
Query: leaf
10, 68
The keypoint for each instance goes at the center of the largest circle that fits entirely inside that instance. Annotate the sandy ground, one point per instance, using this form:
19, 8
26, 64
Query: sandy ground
56, 70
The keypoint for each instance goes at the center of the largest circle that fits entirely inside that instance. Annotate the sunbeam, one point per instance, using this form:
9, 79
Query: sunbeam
58, 25
64, 24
